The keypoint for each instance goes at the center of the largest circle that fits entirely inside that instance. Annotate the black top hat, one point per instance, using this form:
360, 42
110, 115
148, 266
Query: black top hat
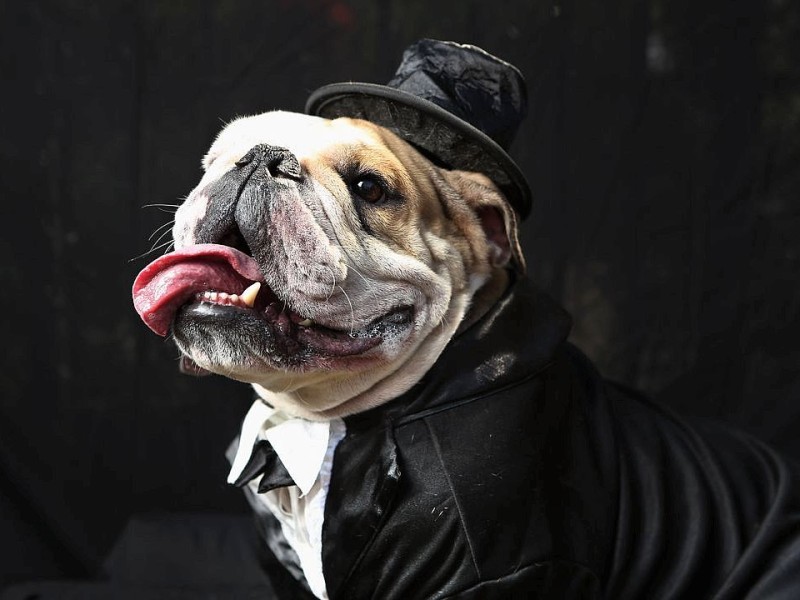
456, 102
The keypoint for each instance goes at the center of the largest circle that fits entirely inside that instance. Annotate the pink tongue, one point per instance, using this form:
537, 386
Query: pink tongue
172, 280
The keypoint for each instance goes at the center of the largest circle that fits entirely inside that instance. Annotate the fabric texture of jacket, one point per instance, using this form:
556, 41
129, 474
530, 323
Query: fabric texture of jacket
513, 470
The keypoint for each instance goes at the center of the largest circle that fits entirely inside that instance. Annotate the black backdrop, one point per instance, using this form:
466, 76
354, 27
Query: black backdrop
662, 145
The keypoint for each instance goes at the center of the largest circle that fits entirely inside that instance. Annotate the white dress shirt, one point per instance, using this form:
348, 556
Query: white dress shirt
306, 449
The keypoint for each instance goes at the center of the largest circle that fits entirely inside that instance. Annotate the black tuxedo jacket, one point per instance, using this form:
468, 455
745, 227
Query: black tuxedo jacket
513, 470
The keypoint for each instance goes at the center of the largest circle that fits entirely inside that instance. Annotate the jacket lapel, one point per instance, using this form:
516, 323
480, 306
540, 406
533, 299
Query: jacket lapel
364, 482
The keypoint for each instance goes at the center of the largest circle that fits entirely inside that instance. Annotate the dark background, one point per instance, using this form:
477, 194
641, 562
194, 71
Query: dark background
662, 146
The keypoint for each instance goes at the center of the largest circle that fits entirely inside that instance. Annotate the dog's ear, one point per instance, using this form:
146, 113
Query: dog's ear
497, 218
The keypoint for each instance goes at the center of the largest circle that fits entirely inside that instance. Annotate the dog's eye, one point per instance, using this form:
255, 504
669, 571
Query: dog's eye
369, 189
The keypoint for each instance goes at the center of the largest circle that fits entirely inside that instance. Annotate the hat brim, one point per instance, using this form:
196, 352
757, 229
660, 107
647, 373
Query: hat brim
453, 141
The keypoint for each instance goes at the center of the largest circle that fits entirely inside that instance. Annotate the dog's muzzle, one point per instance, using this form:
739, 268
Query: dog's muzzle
250, 184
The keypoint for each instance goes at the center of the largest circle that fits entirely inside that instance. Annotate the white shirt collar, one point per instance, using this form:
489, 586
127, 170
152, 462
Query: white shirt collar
299, 443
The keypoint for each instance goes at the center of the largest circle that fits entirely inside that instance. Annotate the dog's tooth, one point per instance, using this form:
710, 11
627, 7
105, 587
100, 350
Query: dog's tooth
234, 298
306, 322
212, 296
222, 296
249, 295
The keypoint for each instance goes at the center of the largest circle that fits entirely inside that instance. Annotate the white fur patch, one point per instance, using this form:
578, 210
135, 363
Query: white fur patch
187, 218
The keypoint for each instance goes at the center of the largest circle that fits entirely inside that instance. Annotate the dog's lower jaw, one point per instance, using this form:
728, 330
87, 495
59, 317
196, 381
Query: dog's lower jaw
340, 395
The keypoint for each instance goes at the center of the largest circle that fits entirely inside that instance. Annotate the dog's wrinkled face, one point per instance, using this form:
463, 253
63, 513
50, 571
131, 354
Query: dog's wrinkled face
358, 259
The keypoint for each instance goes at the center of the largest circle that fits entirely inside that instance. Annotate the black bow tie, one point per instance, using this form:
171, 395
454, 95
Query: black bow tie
264, 460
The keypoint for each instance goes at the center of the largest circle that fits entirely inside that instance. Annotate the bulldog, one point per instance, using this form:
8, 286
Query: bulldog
422, 428
327, 263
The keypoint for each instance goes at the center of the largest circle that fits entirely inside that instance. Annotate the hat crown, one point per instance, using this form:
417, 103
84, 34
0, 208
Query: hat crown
456, 103
486, 92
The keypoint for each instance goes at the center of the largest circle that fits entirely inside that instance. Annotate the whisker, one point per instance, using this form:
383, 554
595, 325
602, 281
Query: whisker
160, 205
159, 228
333, 286
153, 249
289, 384
159, 246
357, 272
161, 237
300, 397
352, 312
352, 261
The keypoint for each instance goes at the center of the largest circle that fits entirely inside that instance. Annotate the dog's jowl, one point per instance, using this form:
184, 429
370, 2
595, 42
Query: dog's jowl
422, 429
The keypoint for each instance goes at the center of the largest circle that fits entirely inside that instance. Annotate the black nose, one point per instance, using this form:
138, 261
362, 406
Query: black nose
247, 188
278, 162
